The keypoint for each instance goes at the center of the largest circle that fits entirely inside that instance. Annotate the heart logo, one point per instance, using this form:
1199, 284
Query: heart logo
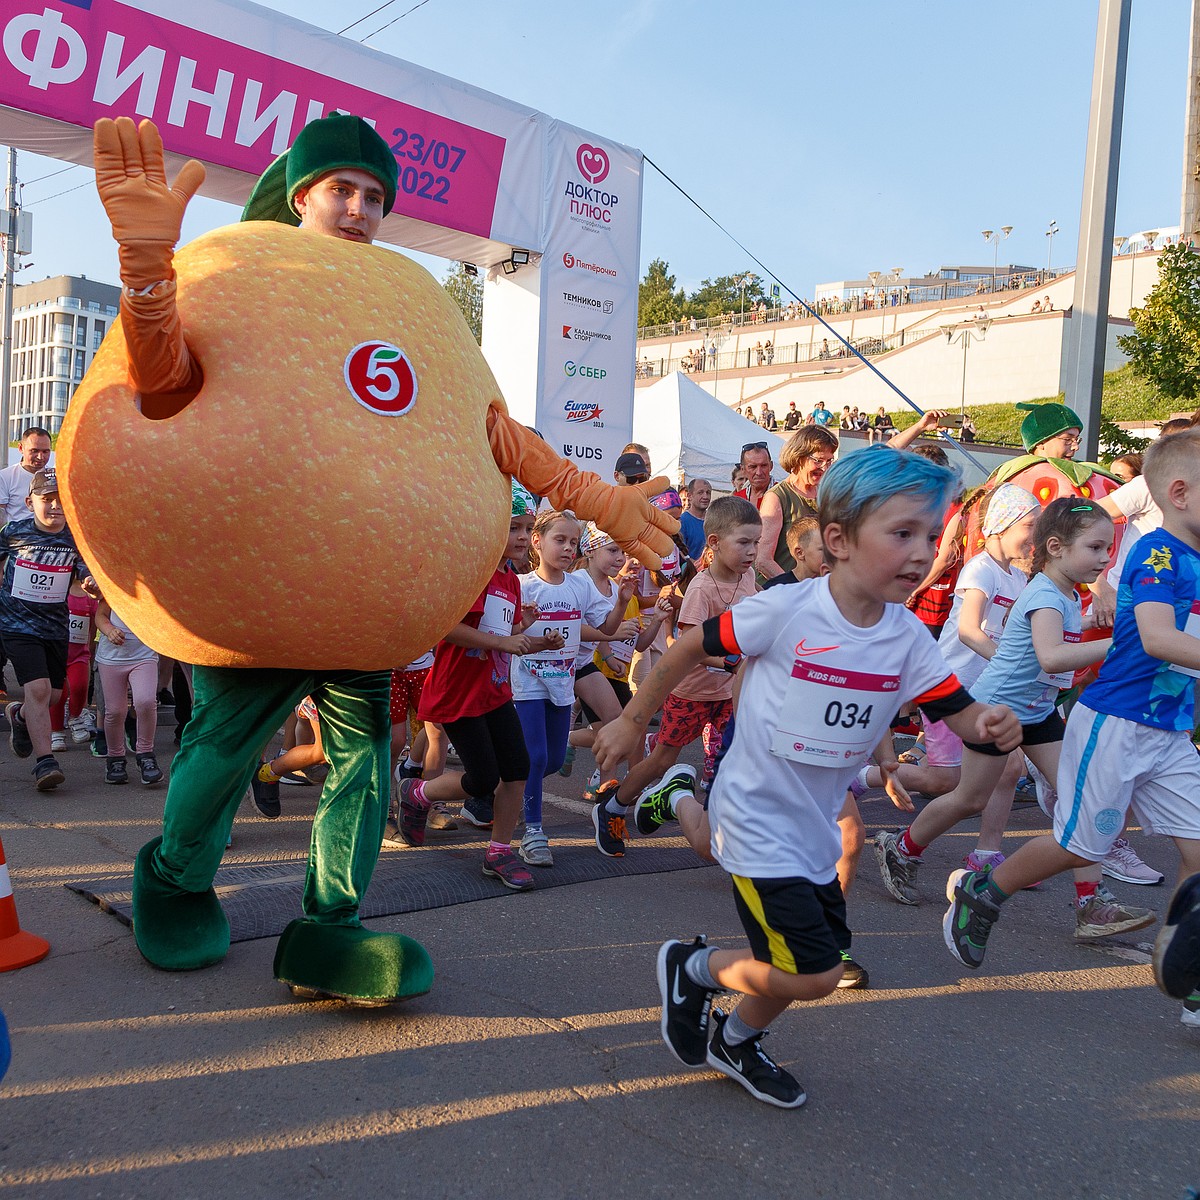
592, 163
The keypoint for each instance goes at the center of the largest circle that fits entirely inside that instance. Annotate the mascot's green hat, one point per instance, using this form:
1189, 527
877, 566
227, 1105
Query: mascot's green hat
1044, 421
324, 145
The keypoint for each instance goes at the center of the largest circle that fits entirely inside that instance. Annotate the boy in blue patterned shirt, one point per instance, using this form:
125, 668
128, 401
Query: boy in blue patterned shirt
1129, 738
40, 560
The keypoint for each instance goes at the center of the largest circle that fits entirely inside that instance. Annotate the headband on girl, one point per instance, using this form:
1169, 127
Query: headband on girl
668, 499
593, 539
523, 503
1008, 504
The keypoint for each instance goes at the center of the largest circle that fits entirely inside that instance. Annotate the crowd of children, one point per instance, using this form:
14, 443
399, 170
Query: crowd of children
792, 691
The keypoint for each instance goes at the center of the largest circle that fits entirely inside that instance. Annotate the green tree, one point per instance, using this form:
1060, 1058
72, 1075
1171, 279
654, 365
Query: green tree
466, 291
659, 301
724, 294
1165, 344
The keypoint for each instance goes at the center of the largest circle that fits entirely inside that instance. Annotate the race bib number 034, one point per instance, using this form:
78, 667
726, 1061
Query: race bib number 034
831, 717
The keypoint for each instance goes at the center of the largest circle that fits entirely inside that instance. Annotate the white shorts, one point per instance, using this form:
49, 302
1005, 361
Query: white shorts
1107, 763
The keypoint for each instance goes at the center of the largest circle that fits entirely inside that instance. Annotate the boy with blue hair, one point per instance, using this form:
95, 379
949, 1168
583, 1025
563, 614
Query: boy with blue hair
810, 715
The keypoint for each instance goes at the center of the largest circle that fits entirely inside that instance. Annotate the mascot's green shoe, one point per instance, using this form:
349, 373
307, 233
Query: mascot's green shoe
175, 930
348, 962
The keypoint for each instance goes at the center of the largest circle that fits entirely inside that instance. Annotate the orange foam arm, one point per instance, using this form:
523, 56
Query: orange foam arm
160, 364
624, 513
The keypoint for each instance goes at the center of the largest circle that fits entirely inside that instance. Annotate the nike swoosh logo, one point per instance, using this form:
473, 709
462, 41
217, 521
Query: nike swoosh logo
803, 651
676, 998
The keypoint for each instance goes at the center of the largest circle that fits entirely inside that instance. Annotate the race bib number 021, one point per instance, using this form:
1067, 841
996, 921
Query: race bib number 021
830, 716
40, 584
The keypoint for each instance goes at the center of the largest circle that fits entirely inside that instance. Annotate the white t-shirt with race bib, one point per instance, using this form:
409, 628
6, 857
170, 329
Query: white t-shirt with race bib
817, 696
565, 607
1001, 586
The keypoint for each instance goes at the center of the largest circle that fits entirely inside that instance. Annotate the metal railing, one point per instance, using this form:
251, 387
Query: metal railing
827, 350
929, 291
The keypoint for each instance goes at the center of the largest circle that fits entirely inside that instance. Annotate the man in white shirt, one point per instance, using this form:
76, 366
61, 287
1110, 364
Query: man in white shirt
15, 480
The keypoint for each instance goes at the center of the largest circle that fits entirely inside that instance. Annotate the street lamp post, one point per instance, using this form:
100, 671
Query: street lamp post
996, 237
875, 277
741, 282
966, 333
1118, 242
896, 272
1150, 236
1050, 232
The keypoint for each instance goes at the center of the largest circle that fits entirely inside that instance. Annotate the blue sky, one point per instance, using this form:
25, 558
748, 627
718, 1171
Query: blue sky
833, 139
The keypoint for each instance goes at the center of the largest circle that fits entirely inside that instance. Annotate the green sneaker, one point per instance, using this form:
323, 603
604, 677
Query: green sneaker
854, 975
969, 919
654, 805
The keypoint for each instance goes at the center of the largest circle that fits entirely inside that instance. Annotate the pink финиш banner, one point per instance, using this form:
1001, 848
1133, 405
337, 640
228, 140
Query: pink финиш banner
229, 105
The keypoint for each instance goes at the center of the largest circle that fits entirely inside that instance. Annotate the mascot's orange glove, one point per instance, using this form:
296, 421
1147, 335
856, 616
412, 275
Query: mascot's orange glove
624, 513
146, 216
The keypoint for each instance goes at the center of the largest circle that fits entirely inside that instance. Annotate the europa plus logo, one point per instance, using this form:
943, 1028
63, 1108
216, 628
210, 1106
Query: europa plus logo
381, 378
592, 162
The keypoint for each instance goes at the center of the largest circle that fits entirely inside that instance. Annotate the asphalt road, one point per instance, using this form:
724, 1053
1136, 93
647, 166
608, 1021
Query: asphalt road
535, 1066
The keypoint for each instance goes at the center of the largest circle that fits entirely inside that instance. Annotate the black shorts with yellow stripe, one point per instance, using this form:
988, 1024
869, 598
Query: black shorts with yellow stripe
793, 924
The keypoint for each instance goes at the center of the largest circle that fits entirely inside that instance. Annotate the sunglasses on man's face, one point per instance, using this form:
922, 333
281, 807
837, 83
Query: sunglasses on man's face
636, 478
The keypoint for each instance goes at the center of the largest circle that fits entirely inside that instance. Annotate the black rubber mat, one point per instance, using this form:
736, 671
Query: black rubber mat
261, 898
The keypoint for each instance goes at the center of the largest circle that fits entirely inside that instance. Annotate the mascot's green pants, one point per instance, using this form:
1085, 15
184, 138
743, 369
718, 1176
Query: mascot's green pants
177, 919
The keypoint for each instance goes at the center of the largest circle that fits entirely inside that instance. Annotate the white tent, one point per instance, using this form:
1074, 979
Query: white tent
691, 434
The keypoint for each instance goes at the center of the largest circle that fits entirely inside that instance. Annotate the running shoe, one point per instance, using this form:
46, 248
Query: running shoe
411, 815
685, 1004
441, 818
151, 773
265, 797
1122, 862
754, 1068
115, 771
478, 811
404, 771
591, 793
969, 919
78, 727
654, 806
611, 831
58, 741
899, 872
1103, 917
47, 774
568, 764
854, 975
99, 745
509, 871
295, 779
535, 849
18, 732
1177, 947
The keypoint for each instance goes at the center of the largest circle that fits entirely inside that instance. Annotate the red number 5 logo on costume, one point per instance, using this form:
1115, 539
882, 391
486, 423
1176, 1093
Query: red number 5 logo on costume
381, 378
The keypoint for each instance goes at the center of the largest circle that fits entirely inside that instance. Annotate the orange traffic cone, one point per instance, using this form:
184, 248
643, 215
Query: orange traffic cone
17, 948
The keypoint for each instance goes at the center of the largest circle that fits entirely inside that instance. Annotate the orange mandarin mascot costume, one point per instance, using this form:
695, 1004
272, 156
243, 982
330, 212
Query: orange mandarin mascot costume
283, 369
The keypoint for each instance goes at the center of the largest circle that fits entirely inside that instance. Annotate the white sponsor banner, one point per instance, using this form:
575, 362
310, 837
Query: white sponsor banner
589, 296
